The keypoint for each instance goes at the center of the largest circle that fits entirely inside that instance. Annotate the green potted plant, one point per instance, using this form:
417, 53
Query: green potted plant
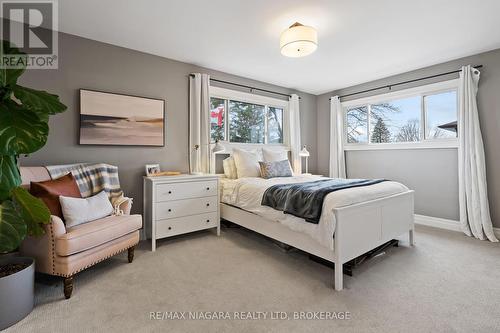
24, 115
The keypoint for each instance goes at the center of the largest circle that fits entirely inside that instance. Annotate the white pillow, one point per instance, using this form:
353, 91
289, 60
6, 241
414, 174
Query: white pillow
247, 163
229, 168
77, 211
274, 155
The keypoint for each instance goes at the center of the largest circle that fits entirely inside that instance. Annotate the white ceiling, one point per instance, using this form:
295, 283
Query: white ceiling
359, 40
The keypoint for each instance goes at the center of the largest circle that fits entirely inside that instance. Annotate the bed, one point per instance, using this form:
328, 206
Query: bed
353, 221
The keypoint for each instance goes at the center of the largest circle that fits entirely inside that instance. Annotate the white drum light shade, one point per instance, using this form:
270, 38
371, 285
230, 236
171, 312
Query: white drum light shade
298, 41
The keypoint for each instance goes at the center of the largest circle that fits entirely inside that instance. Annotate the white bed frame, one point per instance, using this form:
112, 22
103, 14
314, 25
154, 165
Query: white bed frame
359, 229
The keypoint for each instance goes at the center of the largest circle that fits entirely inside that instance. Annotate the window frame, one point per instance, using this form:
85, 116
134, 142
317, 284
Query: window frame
240, 96
421, 91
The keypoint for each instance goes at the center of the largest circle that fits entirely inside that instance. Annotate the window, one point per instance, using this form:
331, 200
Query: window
441, 115
217, 108
420, 115
246, 122
275, 125
243, 118
357, 124
395, 121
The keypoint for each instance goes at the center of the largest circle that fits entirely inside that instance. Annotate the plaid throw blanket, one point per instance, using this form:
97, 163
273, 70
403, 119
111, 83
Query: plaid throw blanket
91, 178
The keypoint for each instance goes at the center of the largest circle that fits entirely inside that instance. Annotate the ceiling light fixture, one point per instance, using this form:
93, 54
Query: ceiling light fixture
298, 41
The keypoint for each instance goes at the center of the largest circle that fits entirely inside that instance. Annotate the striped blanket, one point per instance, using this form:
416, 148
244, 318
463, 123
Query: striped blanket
91, 178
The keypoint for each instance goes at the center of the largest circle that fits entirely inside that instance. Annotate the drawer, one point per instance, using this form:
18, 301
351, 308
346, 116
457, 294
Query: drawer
176, 191
181, 225
178, 208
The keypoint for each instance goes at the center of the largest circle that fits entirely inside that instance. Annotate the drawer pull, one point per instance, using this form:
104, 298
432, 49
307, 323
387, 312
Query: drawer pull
169, 228
208, 221
208, 188
169, 192
208, 204
169, 210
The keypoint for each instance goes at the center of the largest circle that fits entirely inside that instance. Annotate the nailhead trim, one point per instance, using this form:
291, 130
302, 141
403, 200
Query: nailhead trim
95, 262
53, 247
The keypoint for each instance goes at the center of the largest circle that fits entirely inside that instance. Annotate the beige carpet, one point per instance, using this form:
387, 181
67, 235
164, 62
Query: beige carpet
446, 283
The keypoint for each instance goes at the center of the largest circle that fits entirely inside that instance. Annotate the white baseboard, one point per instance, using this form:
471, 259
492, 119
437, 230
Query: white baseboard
446, 224
437, 222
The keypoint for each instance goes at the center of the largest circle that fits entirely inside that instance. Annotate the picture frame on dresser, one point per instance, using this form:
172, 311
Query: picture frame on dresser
152, 169
176, 205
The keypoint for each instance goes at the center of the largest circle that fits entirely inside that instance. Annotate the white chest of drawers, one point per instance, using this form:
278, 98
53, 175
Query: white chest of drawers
175, 205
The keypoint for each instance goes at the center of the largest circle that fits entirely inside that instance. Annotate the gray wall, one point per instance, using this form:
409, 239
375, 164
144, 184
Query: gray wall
84, 63
431, 173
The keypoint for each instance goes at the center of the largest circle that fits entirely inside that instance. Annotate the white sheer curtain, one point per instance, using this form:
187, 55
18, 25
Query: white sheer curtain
337, 161
199, 116
294, 133
473, 195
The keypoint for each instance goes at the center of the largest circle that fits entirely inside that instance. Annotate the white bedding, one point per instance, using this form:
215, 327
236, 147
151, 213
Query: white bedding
246, 193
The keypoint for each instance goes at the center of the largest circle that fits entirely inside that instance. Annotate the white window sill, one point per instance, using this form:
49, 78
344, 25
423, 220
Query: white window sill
446, 144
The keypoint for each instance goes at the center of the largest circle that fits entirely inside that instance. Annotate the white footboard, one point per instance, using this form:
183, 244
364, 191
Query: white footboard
362, 227
359, 229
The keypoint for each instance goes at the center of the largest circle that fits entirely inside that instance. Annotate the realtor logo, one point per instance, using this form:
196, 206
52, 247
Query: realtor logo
31, 26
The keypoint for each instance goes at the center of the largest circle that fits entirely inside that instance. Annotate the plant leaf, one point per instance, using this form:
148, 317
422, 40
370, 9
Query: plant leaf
12, 227
3, 76
33, 211
8, 77
39, 101
9, 175
21, 130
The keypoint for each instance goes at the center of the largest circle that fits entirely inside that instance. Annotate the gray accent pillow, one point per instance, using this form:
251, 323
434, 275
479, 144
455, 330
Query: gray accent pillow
275, 169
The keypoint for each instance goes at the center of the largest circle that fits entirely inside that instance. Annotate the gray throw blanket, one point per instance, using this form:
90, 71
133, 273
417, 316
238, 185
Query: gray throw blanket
305, 200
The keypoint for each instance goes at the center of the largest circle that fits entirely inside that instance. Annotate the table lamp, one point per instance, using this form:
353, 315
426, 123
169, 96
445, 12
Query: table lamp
305, 153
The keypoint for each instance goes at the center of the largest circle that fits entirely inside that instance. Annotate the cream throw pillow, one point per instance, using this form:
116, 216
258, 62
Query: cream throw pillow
247, 163
229, 168
274, 155
77, 211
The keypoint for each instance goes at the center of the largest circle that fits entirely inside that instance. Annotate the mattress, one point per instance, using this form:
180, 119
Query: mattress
246, 193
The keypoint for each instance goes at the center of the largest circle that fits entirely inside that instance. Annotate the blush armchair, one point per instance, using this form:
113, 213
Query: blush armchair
65, 251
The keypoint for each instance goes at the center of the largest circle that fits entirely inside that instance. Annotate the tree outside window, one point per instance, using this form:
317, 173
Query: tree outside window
217, 114
245, 122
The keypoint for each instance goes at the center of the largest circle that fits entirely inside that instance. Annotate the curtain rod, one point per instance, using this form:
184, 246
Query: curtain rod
248, 87
405, 82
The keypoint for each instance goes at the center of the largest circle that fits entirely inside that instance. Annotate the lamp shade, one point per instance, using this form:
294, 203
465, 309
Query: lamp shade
218, 147
304, 152
298, 41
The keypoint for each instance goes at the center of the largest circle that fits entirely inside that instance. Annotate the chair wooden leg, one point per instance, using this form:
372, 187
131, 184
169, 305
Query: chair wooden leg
68, 287
131, 254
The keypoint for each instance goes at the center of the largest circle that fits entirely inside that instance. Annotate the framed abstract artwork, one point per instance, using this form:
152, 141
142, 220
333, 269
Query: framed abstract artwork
123, 120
